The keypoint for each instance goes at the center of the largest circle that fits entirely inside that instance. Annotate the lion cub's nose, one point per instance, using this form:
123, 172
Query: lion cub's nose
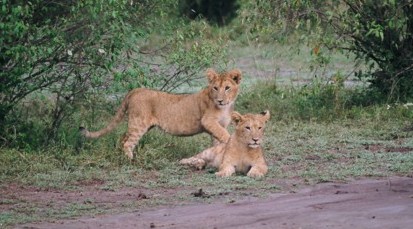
255, 139
220, 101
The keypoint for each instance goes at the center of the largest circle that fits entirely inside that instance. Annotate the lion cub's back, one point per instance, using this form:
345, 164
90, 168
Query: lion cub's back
178, 114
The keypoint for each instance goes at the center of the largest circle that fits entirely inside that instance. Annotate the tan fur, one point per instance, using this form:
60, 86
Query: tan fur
243, 153
178, 114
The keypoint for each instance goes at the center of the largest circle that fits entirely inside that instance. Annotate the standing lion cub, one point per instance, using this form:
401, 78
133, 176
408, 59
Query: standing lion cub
178, 114
243, 153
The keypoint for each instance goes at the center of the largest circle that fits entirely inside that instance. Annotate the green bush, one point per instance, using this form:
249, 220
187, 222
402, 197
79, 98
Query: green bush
72, 52
62, 49
379, 33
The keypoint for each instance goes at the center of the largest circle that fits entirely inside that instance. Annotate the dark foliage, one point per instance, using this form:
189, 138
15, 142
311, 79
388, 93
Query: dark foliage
218, 12
383, 33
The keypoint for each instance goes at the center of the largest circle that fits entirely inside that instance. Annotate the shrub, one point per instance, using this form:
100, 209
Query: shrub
380, 33
72, 52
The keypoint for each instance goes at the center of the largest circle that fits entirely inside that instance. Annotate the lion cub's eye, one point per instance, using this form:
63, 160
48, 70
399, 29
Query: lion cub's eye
227, 88
248, 128
215, 88
260, 128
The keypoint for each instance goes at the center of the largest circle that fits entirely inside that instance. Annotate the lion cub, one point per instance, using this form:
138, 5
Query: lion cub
178, 114
243, 153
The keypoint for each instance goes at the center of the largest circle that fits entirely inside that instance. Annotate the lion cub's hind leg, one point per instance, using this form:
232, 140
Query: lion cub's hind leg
209, 157
136, 129
195, 162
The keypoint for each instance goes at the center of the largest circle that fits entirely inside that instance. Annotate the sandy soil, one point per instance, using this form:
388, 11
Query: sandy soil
367, 203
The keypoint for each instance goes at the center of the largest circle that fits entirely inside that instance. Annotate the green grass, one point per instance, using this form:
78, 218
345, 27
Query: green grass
303, 146
317, 133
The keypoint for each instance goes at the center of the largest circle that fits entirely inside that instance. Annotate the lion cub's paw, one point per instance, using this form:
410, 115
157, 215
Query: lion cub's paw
255, 174
129, 155
197, 163
224, 173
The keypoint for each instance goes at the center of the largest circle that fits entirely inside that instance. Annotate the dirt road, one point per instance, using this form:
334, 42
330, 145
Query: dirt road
386, 203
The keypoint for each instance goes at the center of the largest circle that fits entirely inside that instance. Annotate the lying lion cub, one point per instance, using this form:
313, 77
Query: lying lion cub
243, 153
178, 114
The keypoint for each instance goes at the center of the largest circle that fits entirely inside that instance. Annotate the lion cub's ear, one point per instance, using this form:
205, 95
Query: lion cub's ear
211, 74
236, 117
235, 75
266, 115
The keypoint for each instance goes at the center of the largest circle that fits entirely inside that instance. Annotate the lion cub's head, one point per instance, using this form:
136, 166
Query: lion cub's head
249, 128
223, 88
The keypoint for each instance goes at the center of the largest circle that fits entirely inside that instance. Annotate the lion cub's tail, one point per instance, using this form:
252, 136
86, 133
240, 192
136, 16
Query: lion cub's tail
114, 123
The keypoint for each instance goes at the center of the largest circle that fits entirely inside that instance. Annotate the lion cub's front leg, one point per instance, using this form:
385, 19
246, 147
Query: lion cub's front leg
225, 170
217, 131
258, 171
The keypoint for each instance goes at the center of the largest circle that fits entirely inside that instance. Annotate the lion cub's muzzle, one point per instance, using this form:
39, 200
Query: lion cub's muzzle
221, 103
254, 143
